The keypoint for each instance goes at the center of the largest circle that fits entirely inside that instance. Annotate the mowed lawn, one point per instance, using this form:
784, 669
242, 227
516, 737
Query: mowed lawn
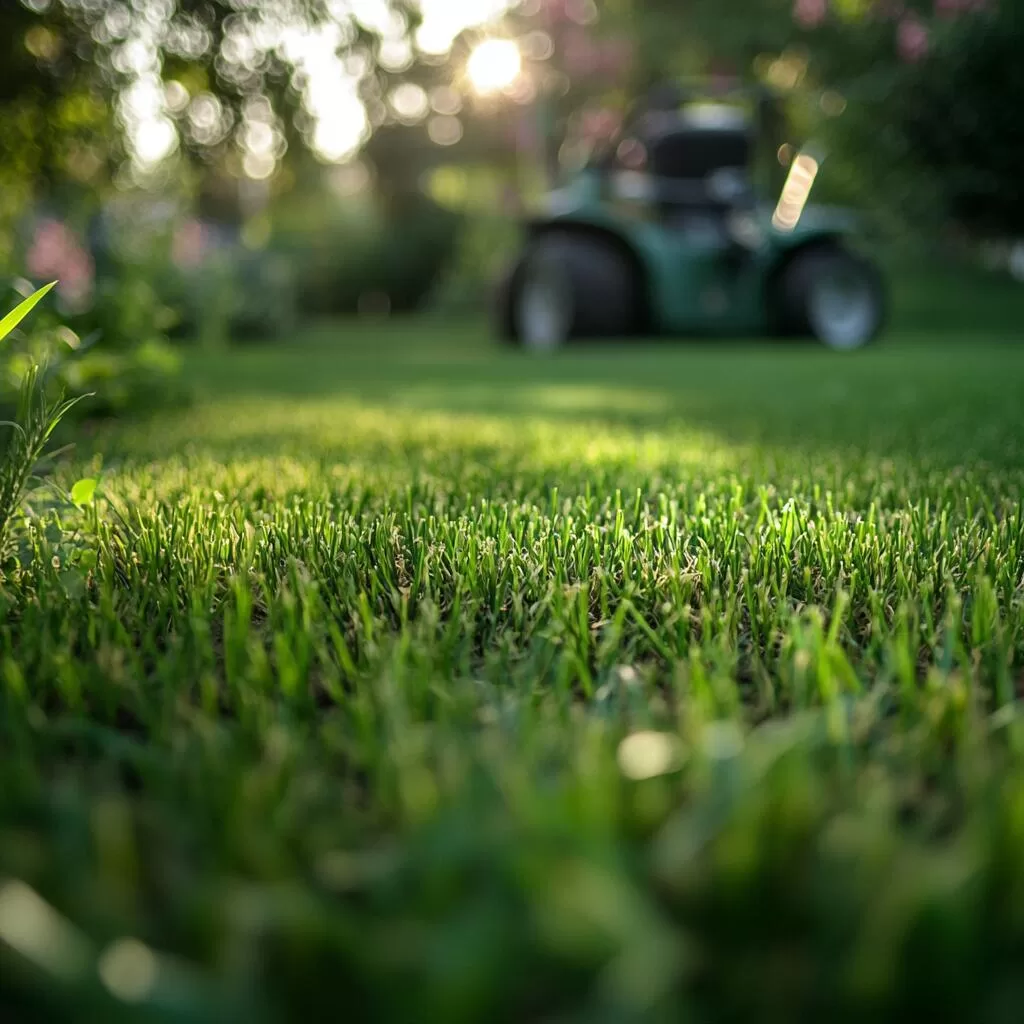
424, 681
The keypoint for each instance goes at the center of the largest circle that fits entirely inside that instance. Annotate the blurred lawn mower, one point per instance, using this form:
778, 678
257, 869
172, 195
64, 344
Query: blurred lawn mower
664, 232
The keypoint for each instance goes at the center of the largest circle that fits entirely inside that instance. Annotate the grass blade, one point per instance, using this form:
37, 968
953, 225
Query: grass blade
19, 313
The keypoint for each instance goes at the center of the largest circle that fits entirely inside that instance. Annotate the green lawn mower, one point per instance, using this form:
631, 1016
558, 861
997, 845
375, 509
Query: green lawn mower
665, 232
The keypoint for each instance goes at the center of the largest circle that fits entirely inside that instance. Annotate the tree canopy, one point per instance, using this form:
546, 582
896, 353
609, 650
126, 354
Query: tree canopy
94, 89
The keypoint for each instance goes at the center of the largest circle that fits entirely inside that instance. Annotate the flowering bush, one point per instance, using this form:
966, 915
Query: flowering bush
915, 22
913, 39
108, 331
917, 100
75, 362
810, 13
938, 89
56, 253
225, 290
191, 245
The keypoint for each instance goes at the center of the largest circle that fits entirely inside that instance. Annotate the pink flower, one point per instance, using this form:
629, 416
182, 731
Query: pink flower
616, 58
810, 13
555, 11
599, 125
188, 249
579, 54
581, 12
56, 254
913, 39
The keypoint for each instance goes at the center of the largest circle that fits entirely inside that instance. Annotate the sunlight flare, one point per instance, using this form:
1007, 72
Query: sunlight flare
494, 65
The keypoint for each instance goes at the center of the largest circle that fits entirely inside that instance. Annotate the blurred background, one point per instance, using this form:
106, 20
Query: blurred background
215, 172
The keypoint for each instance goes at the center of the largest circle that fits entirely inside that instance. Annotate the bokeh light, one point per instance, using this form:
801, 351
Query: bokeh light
336, 118
494, 65
443, 20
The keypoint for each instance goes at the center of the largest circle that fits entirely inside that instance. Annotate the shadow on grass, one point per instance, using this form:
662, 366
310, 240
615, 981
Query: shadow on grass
952, 402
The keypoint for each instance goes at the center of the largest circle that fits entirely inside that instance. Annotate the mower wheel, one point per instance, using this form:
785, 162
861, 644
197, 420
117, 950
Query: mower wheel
570, 285
833, 296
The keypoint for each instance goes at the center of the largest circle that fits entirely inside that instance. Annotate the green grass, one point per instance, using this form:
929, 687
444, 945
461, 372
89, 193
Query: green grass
420, 681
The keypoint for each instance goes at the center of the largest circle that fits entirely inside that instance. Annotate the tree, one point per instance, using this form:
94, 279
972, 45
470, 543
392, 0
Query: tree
90, 87
956, 115
930, 89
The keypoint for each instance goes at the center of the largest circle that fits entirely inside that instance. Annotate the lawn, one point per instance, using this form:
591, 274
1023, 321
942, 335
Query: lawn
421, 681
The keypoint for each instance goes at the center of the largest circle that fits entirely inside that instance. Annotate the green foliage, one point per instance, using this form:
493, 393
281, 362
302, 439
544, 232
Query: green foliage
433, 683
235, 295
925, 139
490, 233
57, 127
140, 380
63, 72
928, 135
954, 114
35, 420
268, 290
127, 310
342, 254
89, 354
486, 246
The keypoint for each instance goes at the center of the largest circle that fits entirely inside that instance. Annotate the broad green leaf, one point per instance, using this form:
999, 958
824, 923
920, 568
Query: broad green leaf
83, 492
15, 317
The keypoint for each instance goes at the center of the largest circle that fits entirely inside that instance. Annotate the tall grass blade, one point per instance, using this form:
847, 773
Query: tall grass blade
16, 315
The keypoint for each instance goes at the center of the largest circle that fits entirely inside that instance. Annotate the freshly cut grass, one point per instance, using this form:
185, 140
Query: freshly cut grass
419, 681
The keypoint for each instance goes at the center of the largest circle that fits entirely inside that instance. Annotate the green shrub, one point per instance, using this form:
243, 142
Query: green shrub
90, 353
235, 293
350, 252
35, 419
486, 244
